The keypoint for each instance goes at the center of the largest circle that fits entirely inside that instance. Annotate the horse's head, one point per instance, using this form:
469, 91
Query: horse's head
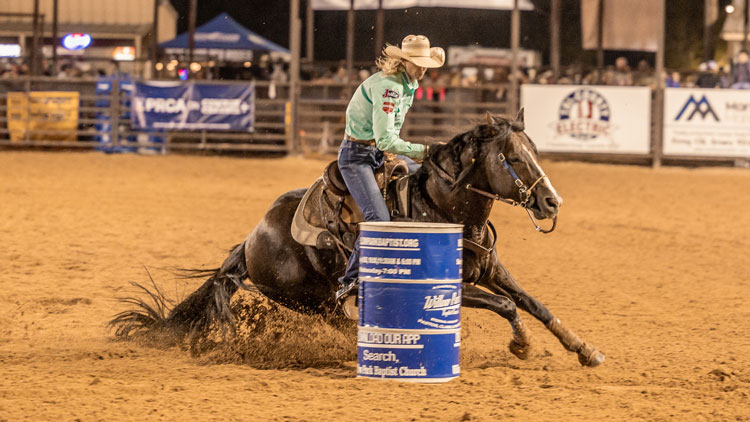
498, 160
512, 169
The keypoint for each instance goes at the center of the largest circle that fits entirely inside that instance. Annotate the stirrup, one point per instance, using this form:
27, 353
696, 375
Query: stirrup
342, 293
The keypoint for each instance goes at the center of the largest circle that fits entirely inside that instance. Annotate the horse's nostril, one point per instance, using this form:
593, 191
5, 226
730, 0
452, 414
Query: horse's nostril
551, 202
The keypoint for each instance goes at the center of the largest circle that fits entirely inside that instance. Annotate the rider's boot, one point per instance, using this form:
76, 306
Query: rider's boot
346, 297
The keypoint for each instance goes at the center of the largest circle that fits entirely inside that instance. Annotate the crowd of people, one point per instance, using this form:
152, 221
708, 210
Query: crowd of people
709, 74
67, 69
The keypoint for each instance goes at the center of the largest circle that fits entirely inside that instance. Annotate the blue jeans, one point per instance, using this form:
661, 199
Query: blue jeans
358, 163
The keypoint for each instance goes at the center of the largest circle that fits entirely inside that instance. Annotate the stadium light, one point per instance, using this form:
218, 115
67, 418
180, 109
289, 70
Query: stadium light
729, 8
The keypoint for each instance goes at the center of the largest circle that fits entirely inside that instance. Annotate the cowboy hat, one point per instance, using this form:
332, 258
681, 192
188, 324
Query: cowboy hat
416, 49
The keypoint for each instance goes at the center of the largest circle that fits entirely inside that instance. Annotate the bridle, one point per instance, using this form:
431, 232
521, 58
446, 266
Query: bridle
523, 191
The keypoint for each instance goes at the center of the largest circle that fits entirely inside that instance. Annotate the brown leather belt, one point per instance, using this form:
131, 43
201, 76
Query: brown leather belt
370, 142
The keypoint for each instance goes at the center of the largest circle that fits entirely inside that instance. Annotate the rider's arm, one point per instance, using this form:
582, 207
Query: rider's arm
386, 98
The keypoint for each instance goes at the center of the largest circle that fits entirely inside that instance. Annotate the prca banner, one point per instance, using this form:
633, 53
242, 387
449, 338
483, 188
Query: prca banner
193, 106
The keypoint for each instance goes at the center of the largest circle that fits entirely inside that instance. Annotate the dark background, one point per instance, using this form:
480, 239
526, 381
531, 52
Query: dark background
462, 27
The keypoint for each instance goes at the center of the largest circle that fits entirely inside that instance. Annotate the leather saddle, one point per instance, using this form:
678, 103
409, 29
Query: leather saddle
327, 216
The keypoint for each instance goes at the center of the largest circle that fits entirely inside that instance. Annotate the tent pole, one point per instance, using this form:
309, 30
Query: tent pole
515, 36
379, 23
658, 112
554, 28
310, 35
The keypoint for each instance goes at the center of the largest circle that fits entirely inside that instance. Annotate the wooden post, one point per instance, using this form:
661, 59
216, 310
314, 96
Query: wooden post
310, 30
658, 137
294, 45
554, 28
515, 37
35, 47
191, 29
709, 11
154, 53
349, 46
379, 24
600, 36
55, 39
114, 109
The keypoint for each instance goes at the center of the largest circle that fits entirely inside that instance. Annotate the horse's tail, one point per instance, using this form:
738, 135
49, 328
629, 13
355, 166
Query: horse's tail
205, 307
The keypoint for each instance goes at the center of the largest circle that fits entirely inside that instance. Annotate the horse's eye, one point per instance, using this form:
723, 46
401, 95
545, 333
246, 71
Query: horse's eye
514, 160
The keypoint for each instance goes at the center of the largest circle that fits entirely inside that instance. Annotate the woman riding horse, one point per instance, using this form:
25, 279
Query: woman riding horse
373, 122
458, 183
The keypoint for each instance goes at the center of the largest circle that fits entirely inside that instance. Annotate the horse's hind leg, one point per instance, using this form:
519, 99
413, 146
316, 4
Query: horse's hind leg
474, 297
504, 283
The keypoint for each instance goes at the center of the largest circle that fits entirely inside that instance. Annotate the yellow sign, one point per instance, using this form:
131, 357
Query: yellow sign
46, 115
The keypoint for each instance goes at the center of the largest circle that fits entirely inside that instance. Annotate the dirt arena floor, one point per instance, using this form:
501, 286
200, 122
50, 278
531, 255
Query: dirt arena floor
651, 266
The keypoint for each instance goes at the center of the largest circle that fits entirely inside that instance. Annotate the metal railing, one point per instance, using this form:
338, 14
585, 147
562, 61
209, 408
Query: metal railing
104, 119
103, 122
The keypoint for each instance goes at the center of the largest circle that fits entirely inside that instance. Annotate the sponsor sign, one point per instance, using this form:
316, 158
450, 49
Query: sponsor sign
596, 119
706, 122
10, 50
193, 106
45, 115
76, 41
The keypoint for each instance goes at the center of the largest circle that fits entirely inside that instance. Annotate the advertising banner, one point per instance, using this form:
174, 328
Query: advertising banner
193, 106
46, 115
592, 119
707, 122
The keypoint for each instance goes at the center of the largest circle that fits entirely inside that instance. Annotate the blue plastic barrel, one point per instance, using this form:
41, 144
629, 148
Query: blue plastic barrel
409, 301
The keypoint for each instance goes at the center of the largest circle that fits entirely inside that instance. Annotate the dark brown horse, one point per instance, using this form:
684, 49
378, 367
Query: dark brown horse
458, 183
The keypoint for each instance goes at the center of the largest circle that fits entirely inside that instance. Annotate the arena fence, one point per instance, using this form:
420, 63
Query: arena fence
100, 118
95, 114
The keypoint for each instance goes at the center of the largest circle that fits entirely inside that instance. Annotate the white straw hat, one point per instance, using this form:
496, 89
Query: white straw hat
416, 49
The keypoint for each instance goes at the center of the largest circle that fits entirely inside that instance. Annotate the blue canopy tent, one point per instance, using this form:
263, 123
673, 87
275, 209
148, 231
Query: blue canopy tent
223, 38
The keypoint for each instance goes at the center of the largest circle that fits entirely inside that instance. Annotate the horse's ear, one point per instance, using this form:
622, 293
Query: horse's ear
519, 117
489, 118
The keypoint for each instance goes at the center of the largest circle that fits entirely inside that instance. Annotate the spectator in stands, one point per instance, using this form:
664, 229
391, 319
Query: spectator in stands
741, 71
622, 75
707, 76
672, 80
591, 78
374, 117
643, 75
725, 76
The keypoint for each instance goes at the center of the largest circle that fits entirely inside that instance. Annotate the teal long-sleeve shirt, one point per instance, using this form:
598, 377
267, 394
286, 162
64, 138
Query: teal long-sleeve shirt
377, 110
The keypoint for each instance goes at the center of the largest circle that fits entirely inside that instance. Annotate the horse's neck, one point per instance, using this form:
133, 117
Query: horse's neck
437, 202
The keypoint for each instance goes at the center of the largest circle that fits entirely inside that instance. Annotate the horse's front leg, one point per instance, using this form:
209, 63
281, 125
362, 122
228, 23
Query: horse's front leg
502, 283
474, 297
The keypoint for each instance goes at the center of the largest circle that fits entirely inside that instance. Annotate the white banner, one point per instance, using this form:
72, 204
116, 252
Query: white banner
404, 4
576, 118
707, 122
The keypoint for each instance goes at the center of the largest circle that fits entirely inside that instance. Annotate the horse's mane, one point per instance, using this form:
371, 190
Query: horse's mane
500, 129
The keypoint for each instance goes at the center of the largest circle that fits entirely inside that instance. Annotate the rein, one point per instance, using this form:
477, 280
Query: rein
524, 192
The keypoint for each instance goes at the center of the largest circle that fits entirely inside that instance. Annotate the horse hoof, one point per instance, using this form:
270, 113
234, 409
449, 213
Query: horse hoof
521, 352
350, 308
588, 356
